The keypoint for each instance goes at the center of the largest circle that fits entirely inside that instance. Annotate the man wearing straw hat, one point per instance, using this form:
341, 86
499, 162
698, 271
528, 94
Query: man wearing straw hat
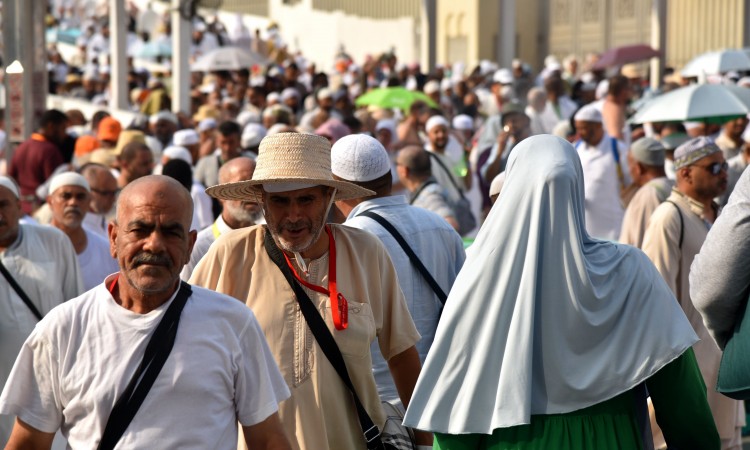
346, 274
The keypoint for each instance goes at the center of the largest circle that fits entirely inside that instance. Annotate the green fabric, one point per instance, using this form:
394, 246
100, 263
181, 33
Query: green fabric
612, 425
682, 410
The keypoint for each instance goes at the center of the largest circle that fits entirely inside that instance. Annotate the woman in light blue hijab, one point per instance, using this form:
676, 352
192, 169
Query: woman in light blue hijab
549, 338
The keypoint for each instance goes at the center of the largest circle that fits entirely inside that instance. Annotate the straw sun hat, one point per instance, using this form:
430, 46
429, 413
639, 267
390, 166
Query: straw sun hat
289, 158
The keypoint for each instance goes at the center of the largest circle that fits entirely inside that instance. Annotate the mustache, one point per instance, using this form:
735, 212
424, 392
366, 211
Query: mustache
296, 226
73, 209
151, 258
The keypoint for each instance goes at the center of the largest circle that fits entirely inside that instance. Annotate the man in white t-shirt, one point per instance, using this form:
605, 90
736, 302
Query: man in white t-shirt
80, 358
69, 200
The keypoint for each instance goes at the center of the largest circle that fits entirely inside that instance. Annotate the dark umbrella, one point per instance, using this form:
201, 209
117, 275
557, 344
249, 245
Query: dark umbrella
627, 54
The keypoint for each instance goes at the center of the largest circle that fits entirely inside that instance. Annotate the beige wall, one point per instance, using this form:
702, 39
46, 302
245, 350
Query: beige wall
474, 24
699, 26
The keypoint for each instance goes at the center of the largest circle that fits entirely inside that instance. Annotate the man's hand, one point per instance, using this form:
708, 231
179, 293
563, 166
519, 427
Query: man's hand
266, 435
405, 368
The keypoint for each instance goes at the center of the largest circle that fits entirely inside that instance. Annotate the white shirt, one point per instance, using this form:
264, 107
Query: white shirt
203, 241
96, 223
602, 204
43, 262
203, 215
95, 261
80, 358
439, 248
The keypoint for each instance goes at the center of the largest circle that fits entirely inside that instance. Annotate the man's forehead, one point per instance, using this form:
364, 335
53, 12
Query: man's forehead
69, 189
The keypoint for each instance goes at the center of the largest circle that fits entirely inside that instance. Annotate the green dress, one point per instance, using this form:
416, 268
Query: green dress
677, 392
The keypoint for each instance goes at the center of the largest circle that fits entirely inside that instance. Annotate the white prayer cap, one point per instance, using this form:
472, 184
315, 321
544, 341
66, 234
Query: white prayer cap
435, 121
503, 76
463, 122
446, 84
588, 77
177, 152
246, 117
273, 97
588, 113
692, 125
277, 128
648, 151
68, 179
550, 60
163, 115
252, 134
205, 125
9, 184
359, 158
431, 87
497, 184
324, 93
185, 137
602, 88
288, 93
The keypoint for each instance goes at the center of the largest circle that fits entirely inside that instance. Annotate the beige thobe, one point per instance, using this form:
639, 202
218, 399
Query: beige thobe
320, 414
640, 208
661, 244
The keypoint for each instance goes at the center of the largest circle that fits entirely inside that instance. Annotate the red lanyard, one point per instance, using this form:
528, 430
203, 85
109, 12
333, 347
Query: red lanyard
114, 284
339, 305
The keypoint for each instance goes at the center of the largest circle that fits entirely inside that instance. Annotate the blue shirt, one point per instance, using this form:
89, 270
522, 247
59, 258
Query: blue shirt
439, 248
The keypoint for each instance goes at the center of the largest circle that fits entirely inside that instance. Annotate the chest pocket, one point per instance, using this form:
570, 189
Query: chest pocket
355, 340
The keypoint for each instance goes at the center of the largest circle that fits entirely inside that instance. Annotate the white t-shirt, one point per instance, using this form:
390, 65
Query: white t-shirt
203, 215
79, 359
95, 261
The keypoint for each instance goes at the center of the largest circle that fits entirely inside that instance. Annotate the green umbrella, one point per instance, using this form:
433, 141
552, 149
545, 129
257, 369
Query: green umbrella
393, 97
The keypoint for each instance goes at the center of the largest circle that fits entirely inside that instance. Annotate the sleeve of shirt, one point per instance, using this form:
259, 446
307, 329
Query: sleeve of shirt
32, 392
259, 386
719, 279
662, 241
397, 331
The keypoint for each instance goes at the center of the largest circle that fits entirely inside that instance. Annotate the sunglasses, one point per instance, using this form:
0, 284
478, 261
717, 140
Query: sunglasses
715, 168
105, 193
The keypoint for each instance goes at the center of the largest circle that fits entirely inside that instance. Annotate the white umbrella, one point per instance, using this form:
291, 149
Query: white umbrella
227, 58
711, 103
713, 63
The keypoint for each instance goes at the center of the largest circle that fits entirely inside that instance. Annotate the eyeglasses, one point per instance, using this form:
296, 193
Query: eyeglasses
715, 168
105, 193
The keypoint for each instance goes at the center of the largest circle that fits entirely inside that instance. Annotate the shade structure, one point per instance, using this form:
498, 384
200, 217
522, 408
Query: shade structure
228, 58
713, 63
709, 103
393, 97
627, 54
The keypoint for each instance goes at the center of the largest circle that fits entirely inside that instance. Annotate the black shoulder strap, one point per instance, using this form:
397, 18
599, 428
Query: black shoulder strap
16, 287
450, 175
409, 252
419, 191
682, 221
325, 340
157, 351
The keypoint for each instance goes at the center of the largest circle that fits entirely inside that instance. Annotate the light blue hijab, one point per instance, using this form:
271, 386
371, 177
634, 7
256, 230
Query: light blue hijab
542, 318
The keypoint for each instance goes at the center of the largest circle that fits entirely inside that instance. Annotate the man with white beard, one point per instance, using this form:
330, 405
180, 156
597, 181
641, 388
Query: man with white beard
235, 214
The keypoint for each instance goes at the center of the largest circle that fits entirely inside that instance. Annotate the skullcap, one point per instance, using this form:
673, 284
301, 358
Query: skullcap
68, 179
693, 150
648, 151
435, 121
177, 152
288, 93
674, 140
497, 184
206, 124
463, 122
185, 137
359, 158
163, 115
503, 76
431, 87
252, 134
9, 184
589, 113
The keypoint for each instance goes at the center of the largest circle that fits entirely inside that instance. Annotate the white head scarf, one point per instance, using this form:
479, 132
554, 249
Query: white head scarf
542, 318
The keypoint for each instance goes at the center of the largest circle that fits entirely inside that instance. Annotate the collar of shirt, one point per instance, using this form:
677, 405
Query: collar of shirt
695, 206
374, 203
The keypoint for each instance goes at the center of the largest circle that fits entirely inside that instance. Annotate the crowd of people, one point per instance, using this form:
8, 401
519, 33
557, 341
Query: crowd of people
571, 317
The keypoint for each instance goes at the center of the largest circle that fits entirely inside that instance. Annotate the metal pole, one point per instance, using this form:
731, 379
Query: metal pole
118, 83
507, 34
429, 34
180, 62
658, 40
